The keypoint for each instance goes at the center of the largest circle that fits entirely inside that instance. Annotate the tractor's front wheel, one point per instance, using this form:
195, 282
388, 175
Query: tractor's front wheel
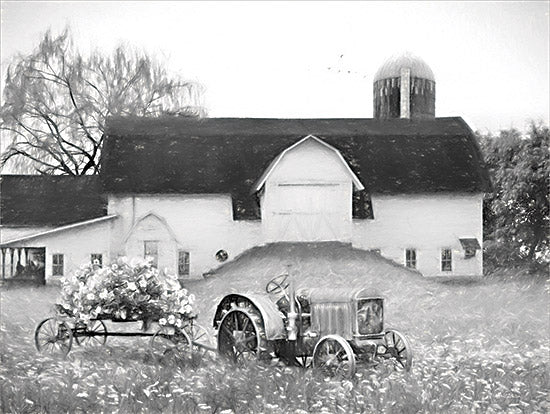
241, 335
397, 348
334, 357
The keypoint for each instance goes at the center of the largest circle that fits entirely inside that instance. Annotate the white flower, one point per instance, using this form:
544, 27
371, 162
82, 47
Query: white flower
173, 284
162, 321
187, 309
103, 294
179, 323
171, 319
132, 286
139, 262
84, 316
90, 296
143, 283
347, 385
114, 266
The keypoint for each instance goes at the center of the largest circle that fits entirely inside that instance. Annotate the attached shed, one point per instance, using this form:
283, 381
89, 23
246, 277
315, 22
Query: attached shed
50, 225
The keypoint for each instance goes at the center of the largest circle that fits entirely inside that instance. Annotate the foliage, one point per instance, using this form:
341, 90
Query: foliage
56, 101
126, 290
516, 214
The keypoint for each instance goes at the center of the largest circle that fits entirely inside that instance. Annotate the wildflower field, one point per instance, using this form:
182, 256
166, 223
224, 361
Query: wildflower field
481, 346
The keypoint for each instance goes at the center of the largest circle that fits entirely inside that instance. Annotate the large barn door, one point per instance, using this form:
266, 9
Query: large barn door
308, 212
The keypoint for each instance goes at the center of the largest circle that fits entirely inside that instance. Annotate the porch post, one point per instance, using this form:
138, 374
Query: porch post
3, 263
12, 253
18, 251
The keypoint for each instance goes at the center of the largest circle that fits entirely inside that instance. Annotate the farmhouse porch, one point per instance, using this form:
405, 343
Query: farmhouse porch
23, 264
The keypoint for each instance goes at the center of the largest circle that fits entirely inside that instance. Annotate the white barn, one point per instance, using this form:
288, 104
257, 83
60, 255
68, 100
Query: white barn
192, 193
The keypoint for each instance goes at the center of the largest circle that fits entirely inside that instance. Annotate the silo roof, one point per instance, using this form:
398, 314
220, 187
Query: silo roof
392, 67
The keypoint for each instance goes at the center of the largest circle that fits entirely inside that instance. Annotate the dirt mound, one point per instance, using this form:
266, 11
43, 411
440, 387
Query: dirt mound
327, 264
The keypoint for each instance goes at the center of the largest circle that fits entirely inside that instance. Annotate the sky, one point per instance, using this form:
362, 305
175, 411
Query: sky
318, 59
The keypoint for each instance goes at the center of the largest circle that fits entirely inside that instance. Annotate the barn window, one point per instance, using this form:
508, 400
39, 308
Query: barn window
446, 260
151, 251
97, 259
362, 205
57, 264
183, 263
410, 258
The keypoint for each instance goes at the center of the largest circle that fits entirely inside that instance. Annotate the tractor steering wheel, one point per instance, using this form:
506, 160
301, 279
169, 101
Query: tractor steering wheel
278, 284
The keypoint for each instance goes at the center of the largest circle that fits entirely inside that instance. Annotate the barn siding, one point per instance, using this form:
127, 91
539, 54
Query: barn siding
202, 225
427, 223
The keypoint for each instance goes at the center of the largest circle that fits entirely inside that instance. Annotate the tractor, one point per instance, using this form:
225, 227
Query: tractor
330, 329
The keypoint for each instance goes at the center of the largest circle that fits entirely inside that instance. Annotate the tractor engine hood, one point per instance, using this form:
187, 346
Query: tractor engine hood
331, 295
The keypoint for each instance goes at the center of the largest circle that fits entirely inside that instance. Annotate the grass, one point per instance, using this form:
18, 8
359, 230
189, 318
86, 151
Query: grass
479, 347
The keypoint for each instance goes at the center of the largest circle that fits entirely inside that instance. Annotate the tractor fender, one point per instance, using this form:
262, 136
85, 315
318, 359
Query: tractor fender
272, 318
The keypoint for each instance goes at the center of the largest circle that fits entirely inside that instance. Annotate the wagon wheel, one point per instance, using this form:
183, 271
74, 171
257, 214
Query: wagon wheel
198, 335
241, 336
333, 356
170, 345
397, 347
277, 285
53, 336
93, 334
303, 361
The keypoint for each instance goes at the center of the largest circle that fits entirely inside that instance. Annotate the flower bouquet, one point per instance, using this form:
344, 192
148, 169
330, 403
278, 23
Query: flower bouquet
125, 291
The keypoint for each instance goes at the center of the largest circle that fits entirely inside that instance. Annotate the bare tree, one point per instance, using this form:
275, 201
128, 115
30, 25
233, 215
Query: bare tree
56, 101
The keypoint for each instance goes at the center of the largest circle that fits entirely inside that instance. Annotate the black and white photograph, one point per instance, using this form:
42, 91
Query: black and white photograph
274, 207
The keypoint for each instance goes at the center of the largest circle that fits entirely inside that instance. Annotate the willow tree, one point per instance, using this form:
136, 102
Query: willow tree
56, 101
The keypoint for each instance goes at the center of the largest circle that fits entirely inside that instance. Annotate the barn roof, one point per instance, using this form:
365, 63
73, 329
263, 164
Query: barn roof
50, 200
228, 155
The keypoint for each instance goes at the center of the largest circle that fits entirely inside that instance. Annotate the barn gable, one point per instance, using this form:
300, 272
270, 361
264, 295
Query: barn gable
151, 226
307, 194
151, 235
304, 168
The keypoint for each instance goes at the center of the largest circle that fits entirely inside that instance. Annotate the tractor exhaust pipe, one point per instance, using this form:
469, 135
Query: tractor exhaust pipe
292, 315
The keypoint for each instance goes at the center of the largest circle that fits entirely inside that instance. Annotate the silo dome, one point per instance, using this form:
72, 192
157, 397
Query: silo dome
404, 87
391, 68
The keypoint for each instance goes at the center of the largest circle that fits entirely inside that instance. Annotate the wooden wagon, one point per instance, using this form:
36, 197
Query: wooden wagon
56, 334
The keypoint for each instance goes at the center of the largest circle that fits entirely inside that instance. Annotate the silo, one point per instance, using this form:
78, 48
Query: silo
404, 87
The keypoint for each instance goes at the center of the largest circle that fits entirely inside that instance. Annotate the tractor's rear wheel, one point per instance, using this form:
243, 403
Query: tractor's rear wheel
241, 335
